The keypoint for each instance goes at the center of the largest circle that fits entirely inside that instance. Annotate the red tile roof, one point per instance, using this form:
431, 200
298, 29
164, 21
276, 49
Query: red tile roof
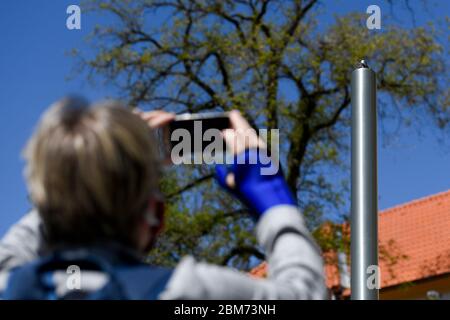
419, 230
414, 243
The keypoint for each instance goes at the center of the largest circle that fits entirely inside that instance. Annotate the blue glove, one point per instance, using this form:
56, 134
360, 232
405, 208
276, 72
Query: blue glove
258, 190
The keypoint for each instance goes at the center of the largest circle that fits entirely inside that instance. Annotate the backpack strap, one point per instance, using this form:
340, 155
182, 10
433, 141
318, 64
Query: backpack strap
23, 284
130, 279
141, 282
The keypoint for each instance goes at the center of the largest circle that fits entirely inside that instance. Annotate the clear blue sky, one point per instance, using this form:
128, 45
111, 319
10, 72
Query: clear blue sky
34, 67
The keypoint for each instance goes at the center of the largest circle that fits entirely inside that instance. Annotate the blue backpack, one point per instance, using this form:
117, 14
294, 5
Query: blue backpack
129, 278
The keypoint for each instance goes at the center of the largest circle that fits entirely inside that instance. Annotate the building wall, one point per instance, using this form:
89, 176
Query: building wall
419, 289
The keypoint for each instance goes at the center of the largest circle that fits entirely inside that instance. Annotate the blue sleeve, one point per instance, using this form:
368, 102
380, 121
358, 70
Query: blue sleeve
260, 183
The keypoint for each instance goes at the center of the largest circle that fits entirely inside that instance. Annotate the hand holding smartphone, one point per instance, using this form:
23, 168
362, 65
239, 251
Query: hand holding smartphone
193, 125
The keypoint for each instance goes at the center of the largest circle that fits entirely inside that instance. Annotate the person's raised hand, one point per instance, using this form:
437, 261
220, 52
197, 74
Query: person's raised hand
245, 177
241, 135
155, 118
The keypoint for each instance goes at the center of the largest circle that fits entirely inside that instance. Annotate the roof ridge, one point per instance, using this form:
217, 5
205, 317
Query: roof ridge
415, 202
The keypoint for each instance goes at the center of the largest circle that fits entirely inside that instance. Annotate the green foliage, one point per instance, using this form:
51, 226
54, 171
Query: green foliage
269, 59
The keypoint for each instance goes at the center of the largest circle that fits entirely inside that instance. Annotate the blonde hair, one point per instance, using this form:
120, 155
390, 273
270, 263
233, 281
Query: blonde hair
91, 172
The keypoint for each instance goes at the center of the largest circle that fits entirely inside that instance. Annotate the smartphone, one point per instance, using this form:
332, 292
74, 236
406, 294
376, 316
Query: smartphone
192, 126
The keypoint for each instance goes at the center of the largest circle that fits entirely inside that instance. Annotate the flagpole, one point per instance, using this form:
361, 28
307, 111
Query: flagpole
364, 207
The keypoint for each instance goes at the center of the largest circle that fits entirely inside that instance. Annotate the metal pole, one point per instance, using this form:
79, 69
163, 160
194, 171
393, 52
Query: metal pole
364, 210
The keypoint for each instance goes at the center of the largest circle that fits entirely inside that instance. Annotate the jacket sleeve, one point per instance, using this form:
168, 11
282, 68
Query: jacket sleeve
295, 267
21, 244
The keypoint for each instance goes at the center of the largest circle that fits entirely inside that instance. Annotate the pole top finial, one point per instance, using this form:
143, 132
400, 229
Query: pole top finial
362, 64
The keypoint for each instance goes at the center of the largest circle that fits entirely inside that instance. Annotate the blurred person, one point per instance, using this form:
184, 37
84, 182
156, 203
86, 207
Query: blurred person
92, 174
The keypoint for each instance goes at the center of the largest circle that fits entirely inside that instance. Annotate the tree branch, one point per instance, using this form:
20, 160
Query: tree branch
332, 121
241, 250
190, 185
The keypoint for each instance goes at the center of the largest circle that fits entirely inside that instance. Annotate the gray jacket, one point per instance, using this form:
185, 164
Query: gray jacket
295, 267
